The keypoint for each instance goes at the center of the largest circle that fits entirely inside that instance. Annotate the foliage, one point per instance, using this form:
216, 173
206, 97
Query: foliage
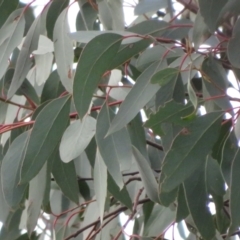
141, 119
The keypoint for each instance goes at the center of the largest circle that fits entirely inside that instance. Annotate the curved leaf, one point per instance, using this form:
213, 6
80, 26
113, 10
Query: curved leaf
189, 149
10, 171
63, 48
138, 97
94, 61
47, 131
149, 181
76, 138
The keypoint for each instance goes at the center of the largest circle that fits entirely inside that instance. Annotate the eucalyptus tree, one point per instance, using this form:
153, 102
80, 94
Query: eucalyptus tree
115, 119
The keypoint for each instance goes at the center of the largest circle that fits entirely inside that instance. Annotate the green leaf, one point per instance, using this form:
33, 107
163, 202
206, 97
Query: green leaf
89, 70
52, 87
214, 178
210, 10
194, 142
145, 6
121, 195
148, 179
10, 171
165, 76
216, 82
86, 17
234, 193
30, 44
115, 148
100, 183
171, 112
35, 197
6, 8
63, 48
232, 48
66, 178
138, 97
76, 138
182, 207
192, 95
13, 29
45, 135
197, 201
56, 7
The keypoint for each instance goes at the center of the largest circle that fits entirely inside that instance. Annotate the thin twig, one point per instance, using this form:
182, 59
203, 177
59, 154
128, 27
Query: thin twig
15, 104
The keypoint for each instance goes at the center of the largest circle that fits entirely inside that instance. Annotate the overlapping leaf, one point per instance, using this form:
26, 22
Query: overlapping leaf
45, 135
76, 138
30, 44
138, 97
100, 183
63, 48
95, 60
189, 150
10, 171
115, 148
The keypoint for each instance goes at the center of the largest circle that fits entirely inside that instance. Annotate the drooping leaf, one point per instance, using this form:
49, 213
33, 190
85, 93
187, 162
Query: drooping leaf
138, 97
89, 70
66, 178
86, 17
63, 48
196, 196
45, 135
232, 48
76, 138
10, 171
36, 193
13, 29
57, 6
234, 194
100, 183
171, 112
6, 8
193, 142
148, 179
115, 148
215, 81
182, 207
145, 6
30, 44
210, 11
121, 195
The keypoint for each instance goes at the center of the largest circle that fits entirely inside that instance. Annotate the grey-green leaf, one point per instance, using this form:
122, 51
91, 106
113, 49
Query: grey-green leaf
138, 97
45, 135
66, 178
100, 183
189, 149
76, 138
10, 171
148, 179
94, 61
63, 48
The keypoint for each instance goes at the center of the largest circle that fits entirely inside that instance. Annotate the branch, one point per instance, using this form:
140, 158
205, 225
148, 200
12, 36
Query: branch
153, 144
116, 212
192, 7
15, 104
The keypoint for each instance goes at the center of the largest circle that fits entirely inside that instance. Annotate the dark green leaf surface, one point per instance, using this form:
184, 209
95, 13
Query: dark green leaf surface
171, 112
165, 76
138, 97
149, 181
115, 148
94, 61
10, 171
66, 178
196, 196
185, 156
45, 135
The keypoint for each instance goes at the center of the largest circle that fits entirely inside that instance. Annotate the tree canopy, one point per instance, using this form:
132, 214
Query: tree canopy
139, 118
